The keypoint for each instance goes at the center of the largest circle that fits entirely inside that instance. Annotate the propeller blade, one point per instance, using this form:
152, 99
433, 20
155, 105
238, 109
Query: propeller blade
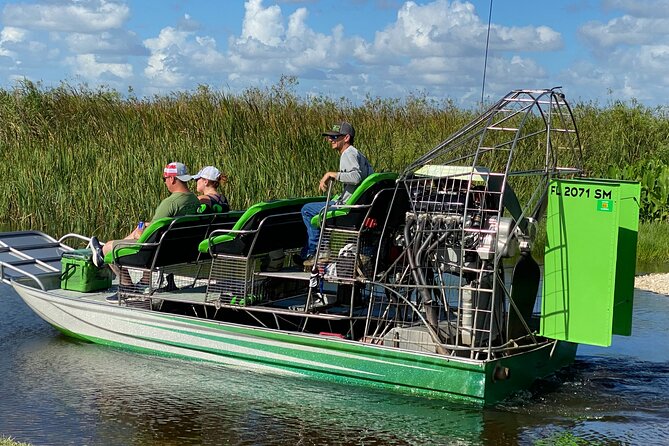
524, 289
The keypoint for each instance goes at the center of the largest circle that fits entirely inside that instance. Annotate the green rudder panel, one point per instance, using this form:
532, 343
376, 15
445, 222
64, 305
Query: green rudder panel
628, 231
589, 260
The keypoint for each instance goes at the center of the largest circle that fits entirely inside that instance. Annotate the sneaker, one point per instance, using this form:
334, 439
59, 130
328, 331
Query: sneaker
323, 257
96, 250
297, 259
308, 263
170, 284
113, 299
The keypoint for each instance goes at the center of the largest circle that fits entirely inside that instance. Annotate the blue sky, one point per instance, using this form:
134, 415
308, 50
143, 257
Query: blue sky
599, 50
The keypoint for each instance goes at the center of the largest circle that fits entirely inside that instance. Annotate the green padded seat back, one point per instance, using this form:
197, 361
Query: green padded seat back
364, 194
172, 240
280, 223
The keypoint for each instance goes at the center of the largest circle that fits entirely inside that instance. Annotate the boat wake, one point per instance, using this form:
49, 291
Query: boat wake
599, 399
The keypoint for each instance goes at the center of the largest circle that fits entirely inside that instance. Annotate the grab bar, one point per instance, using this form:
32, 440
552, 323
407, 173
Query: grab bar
4, 265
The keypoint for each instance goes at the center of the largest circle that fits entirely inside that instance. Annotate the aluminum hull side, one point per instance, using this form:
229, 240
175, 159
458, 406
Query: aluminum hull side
292, 353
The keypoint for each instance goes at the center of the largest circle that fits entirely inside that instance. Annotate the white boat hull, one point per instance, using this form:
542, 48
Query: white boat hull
282, 352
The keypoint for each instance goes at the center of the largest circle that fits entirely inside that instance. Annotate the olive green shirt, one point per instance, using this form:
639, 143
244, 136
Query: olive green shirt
178, 203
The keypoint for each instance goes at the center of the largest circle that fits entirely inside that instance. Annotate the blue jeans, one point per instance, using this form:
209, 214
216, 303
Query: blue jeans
309, 210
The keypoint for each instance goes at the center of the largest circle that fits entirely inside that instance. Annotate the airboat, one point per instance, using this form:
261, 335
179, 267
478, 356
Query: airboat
425, 282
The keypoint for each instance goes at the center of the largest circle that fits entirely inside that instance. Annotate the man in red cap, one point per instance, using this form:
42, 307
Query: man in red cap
180, 202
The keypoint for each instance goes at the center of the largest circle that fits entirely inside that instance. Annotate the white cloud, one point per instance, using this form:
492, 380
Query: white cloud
435, 46
163, 66
640, 69
267, 47
12, 34
527, 38
88, 66
106, 42
69, 37
187, 23
625, 30
9, 36
443, 28
262, 24
631, 53
70, 16
4, 52
178, 56
653, 60
24, 49
646, 8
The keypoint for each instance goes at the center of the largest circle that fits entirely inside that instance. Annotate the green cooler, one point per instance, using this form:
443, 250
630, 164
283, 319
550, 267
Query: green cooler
80, 274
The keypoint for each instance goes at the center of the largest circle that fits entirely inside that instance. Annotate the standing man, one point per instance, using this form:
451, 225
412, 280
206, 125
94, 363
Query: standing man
353, 169
180, 202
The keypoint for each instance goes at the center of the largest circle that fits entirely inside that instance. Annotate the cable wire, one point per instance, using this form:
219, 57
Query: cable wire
485, 60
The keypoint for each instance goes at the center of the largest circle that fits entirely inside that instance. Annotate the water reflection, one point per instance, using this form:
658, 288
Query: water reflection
61, 391
151, 400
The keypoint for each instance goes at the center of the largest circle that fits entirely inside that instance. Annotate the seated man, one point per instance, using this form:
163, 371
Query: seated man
180, 202
353, 169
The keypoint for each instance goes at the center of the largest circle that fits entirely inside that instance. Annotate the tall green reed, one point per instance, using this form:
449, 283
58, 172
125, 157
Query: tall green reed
90, 160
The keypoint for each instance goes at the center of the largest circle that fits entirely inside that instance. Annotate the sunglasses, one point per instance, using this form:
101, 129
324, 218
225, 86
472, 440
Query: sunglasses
334, 138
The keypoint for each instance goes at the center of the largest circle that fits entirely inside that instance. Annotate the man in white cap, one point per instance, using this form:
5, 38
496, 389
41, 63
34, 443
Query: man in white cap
180, 202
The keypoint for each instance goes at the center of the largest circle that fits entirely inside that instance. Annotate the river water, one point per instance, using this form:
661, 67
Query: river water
59, 391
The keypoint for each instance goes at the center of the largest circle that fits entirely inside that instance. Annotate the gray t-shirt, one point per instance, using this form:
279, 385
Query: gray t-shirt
353, 169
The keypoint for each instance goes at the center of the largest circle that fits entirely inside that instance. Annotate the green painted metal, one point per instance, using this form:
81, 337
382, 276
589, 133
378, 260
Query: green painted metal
348, 362
368, 182
589, 260
525, 368
248, 215
299, 354
630, 193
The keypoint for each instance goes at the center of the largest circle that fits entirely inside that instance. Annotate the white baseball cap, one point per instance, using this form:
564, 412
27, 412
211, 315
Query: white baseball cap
208, 173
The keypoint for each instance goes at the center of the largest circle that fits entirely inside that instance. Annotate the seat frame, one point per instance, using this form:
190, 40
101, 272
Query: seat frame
149, 257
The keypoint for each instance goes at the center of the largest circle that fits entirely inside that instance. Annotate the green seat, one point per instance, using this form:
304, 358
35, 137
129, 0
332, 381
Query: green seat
352, 213
264, 227
170, 241
378, 204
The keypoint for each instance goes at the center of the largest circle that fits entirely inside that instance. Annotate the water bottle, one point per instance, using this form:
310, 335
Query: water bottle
140, 228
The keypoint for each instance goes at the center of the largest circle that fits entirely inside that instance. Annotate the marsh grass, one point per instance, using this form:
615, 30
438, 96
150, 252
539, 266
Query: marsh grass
90, 161
8, 441
653, 247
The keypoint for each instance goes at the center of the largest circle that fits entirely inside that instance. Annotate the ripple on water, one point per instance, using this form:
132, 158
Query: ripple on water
56, 390
598, 400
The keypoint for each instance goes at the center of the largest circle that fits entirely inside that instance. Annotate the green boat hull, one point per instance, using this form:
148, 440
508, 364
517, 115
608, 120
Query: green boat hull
314, 356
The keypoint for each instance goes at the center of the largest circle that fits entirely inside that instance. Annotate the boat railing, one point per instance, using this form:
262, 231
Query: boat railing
21, 272
30, 254
74, 235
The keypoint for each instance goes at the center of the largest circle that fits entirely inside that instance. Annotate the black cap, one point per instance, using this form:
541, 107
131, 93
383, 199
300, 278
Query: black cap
341, 128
